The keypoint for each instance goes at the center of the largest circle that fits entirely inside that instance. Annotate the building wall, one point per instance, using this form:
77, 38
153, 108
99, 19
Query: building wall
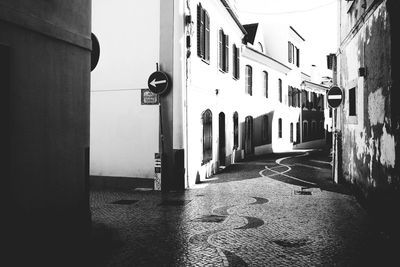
204, 80
47, 44
258, 105
370, 137
124, 133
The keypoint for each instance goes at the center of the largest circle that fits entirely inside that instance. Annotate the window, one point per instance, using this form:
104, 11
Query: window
249, 80
265, 122
293, 54
265, 83
321, 128
235, 130
236, 62
297, 132
280, 90
223, 44
290, 102
203, 34
291, 132
352, 102
280, 128
290, 52
305, 130
314, 128
206, 118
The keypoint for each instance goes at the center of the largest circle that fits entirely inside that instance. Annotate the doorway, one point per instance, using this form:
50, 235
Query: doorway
222, 141
248, 136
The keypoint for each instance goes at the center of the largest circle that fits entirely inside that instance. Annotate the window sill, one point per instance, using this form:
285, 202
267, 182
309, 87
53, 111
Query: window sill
205, 61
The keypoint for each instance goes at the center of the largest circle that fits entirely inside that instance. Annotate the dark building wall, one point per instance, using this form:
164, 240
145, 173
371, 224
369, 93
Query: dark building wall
48, 49
369, 138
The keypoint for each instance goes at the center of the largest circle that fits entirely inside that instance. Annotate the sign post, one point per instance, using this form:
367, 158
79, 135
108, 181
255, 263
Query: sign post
335, 97
159, 83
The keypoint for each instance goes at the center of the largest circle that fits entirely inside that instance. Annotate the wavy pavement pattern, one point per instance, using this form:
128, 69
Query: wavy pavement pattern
201, 239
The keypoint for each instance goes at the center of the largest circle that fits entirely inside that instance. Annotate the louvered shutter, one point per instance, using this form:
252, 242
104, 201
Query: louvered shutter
199, 11
220, 50
226, 54
237, 64
290, 52
298, 57
207, 37
202, 43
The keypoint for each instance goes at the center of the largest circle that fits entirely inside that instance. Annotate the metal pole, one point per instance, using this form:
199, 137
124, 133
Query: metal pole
335, 148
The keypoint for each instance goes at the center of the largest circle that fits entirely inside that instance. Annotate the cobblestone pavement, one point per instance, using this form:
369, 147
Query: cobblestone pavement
241, 217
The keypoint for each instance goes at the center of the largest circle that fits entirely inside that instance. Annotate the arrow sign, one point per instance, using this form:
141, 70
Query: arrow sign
158, 82
154, 82
335, 96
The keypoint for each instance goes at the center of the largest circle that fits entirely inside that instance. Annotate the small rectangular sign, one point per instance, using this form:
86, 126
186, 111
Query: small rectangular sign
157, 163
148, 97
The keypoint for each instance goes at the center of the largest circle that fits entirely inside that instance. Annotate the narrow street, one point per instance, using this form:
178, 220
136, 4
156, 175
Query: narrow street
277, 210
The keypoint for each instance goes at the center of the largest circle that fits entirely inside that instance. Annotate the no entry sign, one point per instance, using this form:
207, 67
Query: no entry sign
158, 82
335, 96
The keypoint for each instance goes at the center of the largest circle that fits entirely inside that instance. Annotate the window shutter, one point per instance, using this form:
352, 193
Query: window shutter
202, 33
293, 54
290, 52
234, 60
250, 81
226, 54
220, 49
298, 57
237, 63
199, 11
207, 37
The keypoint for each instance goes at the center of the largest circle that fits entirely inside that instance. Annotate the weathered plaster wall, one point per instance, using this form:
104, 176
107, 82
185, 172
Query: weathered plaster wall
369, 138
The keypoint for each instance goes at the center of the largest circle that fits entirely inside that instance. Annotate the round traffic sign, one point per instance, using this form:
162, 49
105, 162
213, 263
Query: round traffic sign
335, 96
95, 52
158, 82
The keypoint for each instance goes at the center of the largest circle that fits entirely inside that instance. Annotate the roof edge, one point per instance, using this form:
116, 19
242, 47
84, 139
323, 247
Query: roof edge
233, 15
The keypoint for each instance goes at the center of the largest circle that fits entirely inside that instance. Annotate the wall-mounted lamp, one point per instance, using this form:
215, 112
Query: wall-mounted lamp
188, 19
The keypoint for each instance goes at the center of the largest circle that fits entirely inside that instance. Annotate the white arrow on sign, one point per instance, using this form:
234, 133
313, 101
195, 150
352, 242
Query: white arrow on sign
335, 96
154, 82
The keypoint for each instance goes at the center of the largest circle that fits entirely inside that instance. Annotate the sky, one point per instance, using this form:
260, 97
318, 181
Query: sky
315, 20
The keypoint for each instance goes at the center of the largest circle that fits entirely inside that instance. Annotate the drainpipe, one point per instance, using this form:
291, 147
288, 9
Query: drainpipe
188, 34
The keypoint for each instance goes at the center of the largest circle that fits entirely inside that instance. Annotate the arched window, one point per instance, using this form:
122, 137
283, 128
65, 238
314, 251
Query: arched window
249, 80
206, 119
235, 130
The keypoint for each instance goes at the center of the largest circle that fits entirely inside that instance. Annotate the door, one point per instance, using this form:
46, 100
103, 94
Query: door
248, 136
221, 146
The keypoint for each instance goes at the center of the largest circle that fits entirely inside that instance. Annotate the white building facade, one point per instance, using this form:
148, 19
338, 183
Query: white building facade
230, 99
